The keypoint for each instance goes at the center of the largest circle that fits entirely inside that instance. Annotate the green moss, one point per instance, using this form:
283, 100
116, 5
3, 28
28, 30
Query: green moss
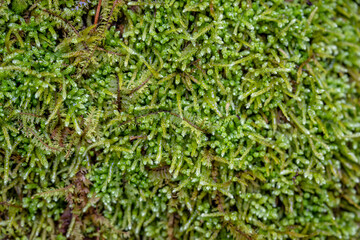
19, 6
180, 119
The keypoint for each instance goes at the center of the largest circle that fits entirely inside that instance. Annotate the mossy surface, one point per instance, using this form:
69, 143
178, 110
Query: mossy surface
202, 119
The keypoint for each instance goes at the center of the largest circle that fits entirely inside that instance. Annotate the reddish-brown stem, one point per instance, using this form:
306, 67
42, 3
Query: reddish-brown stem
63, 19
140, 86
132, 138
38, 138
97, 13
111, 13
10, 205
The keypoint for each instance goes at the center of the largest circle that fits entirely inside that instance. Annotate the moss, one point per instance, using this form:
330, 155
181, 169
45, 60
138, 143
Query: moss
19, 6
179, 119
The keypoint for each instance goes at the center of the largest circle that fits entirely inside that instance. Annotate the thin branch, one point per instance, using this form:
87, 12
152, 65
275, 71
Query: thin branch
97, 13
164, 111
140, 86
132, 138
111, 13
11, 205
38, 138
63, 19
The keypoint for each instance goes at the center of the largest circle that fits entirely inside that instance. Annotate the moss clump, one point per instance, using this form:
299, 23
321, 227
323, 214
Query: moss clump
180, 119
19, 6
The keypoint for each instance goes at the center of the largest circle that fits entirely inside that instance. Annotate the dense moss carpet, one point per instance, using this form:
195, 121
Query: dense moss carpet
174, 119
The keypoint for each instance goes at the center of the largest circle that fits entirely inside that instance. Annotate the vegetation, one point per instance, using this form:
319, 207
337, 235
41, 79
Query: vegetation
174, 119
